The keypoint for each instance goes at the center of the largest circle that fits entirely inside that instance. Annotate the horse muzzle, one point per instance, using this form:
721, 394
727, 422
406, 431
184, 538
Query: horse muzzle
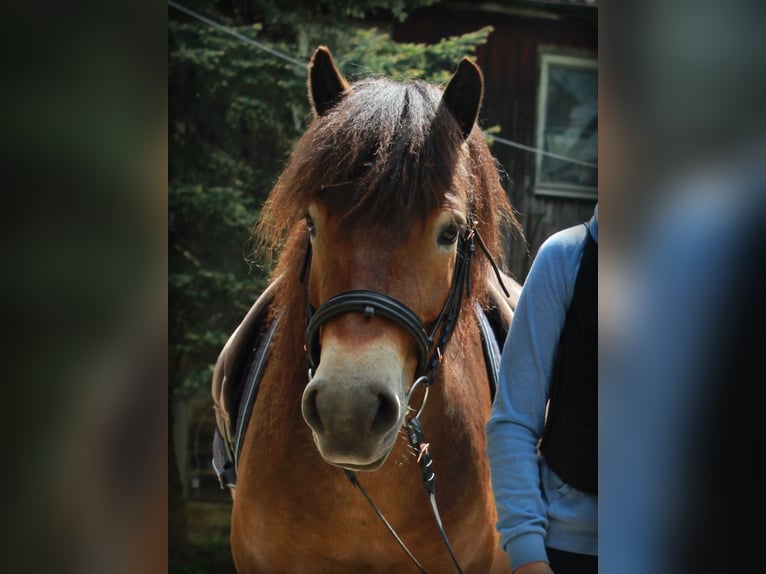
354, 406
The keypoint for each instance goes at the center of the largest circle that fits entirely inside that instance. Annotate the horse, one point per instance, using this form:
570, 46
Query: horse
375, 384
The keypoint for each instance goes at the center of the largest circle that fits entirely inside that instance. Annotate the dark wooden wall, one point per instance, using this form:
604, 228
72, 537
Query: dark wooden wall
510, 63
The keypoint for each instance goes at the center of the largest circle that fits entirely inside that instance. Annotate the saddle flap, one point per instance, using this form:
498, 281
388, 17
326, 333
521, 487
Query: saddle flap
229, 368
500, 305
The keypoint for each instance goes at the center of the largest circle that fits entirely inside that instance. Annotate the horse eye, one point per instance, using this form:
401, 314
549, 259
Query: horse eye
448, 234
310, 225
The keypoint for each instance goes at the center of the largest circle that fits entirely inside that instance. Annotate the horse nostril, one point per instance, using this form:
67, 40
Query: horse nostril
386, 414
310, 411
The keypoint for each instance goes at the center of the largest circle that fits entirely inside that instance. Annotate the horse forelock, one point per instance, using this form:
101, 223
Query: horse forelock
387, 154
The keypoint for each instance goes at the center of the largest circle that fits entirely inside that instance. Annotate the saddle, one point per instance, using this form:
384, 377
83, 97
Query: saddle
242, 360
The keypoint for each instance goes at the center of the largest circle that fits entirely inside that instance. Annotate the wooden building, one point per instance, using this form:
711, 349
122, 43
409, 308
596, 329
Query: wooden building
540, 73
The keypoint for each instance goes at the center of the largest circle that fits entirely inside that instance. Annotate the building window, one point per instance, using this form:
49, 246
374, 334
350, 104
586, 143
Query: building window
567, 125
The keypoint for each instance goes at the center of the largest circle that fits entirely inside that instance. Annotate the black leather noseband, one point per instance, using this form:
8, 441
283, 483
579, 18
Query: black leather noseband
371, 303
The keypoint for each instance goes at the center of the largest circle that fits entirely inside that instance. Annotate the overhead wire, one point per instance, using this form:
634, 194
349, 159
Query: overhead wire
303, 65
236, 34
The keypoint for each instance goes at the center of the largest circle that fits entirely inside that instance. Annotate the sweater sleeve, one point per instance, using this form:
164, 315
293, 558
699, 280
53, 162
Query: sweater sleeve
518, 414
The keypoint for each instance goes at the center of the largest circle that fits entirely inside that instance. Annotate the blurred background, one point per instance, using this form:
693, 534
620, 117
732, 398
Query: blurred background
139, 142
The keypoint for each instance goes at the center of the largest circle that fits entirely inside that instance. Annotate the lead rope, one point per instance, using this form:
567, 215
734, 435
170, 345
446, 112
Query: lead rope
351, 476
420, 447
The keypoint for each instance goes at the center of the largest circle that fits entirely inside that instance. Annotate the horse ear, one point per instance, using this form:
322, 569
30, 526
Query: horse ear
463, 94
326, 83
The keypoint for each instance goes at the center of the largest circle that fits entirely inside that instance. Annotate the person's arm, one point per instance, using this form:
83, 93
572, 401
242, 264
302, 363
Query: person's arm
518, 413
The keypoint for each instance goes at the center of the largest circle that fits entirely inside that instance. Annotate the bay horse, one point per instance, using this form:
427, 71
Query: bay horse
376, 379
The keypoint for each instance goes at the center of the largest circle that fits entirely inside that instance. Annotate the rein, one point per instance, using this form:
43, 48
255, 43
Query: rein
430, 353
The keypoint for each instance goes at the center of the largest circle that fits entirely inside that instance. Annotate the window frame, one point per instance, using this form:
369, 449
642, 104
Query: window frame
548, 188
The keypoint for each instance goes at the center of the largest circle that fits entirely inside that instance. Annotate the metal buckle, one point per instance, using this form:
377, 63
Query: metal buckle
422, 379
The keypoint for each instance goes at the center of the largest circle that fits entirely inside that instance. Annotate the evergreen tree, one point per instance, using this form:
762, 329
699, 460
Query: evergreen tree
235, 111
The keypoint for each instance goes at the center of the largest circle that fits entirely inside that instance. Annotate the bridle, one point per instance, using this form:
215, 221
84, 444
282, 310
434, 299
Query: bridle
371, 303
430, 347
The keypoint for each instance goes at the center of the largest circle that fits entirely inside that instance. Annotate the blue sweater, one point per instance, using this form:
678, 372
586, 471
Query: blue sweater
535, 507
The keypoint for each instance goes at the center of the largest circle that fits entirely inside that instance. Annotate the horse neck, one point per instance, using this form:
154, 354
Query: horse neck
460, 394
285, 471
288, 361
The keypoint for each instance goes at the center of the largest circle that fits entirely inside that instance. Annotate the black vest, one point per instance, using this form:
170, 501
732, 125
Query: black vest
570, 439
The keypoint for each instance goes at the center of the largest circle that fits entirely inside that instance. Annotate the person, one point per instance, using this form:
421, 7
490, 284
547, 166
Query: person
545, 413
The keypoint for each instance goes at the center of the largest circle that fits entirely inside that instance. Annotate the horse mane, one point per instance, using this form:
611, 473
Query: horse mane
381, 159
385, 154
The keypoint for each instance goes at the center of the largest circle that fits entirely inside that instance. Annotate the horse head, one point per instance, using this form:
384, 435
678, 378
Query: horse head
393, 209
375, 218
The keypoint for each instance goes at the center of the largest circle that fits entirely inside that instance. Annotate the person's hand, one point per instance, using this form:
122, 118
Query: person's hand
534, 568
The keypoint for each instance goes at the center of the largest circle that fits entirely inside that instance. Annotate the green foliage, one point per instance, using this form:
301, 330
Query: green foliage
235, 111
374, 53
399, 8
209, 285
